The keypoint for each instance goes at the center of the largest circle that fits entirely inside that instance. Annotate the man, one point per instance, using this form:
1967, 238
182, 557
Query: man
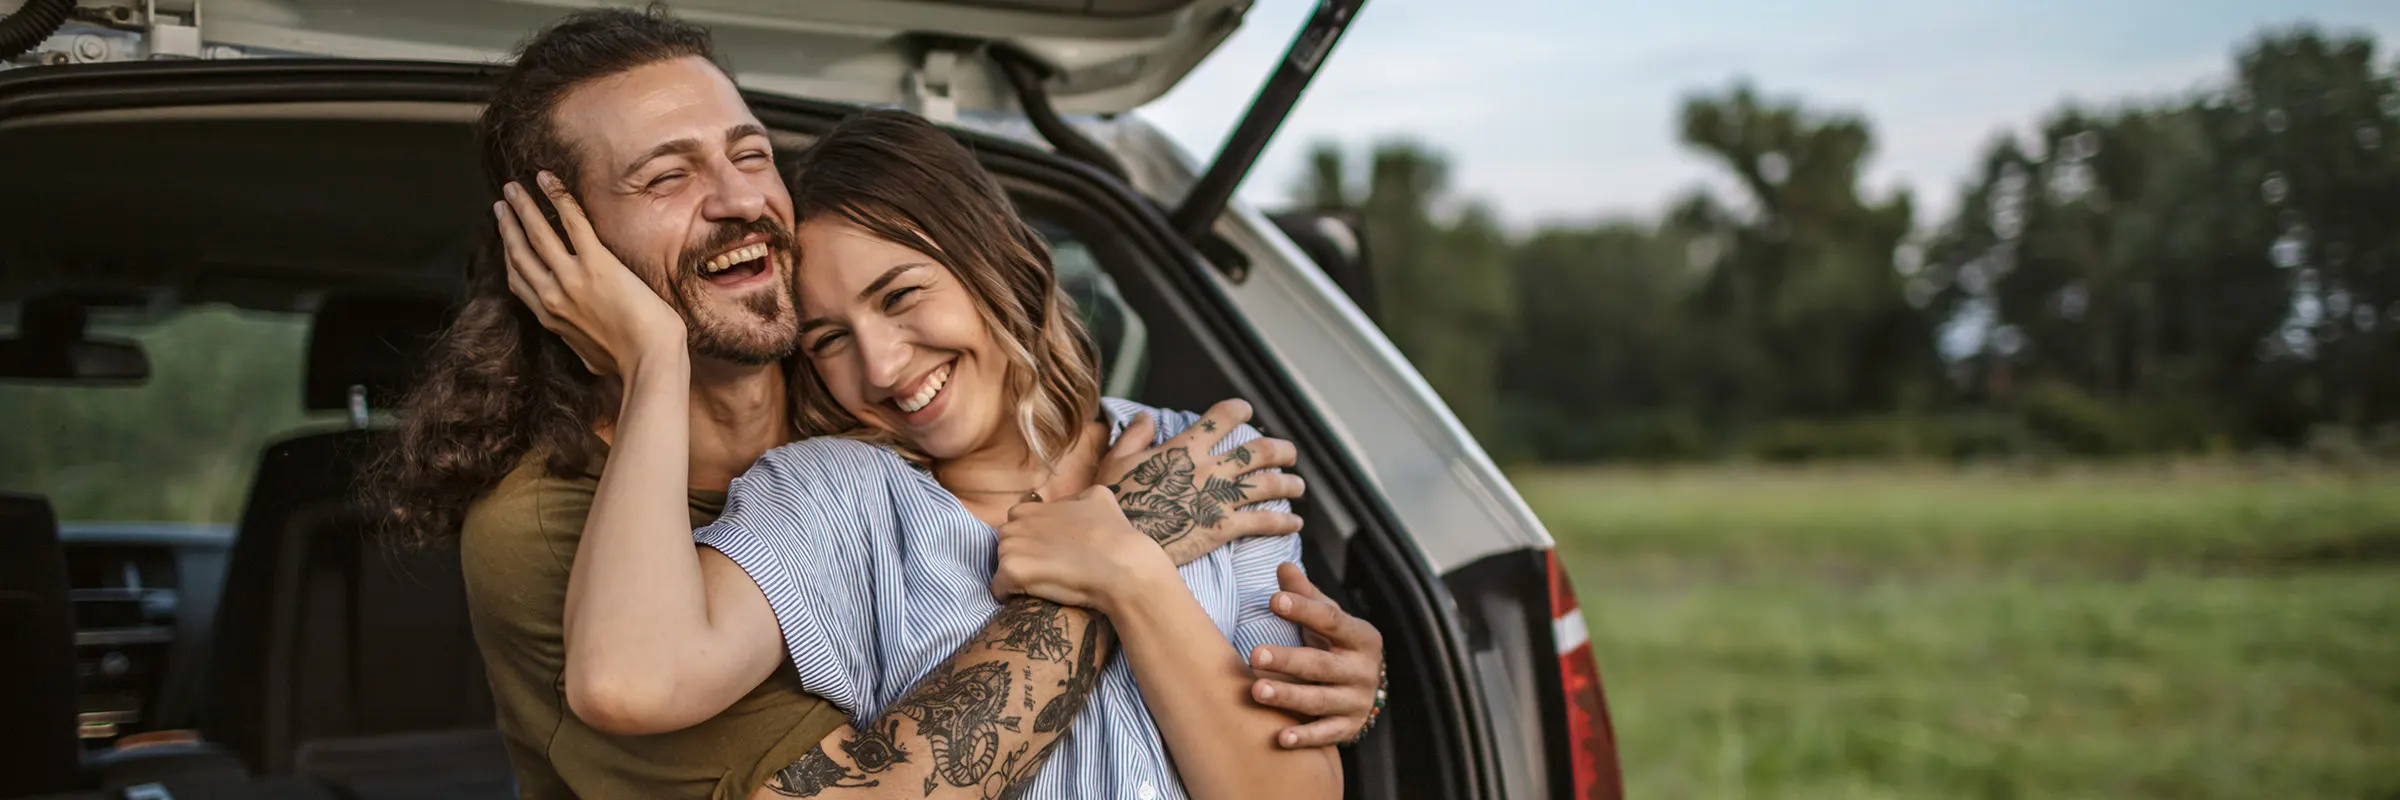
503, 443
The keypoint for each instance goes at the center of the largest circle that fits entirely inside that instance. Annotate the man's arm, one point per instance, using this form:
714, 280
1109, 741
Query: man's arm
670, 640
977, 726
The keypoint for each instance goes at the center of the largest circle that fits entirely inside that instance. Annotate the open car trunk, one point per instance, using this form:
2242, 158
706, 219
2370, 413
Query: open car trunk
275, 185
1039, 58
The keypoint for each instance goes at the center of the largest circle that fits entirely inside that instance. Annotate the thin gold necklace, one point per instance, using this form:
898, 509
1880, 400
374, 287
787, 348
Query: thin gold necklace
1032, 493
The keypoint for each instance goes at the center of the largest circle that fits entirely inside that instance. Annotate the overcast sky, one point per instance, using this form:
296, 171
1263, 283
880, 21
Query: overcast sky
1565, 110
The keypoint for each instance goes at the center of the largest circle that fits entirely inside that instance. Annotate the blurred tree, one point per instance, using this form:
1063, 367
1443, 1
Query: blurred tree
2222, 264
2308, 131
1441, 281
1802, 295
1602, 360
2208, 270
181, 446
1460, 288
1326, 185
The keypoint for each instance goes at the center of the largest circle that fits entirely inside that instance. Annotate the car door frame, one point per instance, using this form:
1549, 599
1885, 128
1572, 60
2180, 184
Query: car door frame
1419, 610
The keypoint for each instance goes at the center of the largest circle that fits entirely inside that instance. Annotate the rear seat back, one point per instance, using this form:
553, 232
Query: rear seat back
339, 656
37, 653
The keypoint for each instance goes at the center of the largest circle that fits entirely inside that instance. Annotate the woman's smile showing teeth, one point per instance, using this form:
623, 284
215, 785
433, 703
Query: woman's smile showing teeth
927, 389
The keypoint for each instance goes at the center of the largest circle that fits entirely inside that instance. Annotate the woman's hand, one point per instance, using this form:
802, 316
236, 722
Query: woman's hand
1335, 678
1077, 551
1188, 498
611, 318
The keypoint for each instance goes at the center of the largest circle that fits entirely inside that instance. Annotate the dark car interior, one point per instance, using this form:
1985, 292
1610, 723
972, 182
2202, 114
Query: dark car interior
334, 654
286, 650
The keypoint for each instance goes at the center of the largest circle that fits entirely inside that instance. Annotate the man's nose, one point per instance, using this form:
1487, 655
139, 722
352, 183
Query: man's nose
732, 196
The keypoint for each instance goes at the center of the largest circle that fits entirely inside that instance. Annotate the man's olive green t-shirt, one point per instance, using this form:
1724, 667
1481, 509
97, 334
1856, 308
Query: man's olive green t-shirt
517, 546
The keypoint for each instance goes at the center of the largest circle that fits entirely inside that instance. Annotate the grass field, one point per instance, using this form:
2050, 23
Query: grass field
2168, 631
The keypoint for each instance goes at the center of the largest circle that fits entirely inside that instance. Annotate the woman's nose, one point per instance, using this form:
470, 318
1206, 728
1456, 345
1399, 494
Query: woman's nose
886, 354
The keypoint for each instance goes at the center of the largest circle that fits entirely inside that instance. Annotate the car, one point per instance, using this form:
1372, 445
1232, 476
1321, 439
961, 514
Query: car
229, 235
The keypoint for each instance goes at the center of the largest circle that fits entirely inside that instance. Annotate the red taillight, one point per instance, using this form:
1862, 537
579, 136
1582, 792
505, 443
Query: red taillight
1594, 743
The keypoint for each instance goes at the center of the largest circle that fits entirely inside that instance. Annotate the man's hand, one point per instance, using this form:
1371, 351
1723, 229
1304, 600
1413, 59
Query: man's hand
1188, 499
607, 314
1334, 678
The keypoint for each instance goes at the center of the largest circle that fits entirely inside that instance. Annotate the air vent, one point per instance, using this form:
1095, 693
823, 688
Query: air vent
120, 566
125, 599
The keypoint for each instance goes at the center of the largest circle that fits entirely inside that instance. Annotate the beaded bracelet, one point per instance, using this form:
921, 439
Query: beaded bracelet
1382, 688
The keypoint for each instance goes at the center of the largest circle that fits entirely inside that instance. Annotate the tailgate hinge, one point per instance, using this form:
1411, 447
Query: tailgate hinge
172, 37
929, 86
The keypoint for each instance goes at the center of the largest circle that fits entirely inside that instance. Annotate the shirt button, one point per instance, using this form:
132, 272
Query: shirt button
1149, 792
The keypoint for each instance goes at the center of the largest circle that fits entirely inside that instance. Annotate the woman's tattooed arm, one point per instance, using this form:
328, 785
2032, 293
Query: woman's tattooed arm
978, 726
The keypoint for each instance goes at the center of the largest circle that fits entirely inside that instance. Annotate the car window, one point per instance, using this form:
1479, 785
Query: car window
179, 447
183, 445
1119, 333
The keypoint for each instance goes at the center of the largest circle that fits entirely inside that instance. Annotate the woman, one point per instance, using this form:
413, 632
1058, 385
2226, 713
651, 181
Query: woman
940, 343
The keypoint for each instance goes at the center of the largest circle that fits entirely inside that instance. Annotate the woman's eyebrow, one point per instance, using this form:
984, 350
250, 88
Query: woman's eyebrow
878, 285
887, 277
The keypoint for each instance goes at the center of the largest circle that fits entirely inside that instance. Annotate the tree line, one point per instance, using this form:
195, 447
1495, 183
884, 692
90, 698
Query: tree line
2211, 272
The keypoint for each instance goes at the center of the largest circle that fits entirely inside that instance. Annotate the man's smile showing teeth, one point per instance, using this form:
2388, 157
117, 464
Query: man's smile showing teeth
925, 393
730, 258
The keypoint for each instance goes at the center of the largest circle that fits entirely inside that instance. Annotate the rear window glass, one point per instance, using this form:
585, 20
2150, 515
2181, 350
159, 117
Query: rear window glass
1120, 335
183, 445
179, 447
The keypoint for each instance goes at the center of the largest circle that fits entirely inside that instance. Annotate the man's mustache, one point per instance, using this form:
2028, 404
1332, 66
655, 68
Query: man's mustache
726, 233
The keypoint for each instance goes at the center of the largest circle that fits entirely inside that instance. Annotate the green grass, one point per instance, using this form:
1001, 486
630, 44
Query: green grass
2173, 632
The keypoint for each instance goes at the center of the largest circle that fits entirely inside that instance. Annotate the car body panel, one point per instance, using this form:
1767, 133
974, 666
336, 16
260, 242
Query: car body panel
1455, 502
1106, 55
1450, 502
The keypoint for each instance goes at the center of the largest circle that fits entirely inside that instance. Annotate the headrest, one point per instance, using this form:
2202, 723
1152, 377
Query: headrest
378, 342
28, 531
20, 510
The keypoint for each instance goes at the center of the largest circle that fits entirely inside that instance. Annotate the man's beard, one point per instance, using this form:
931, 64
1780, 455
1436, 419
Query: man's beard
761, 328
